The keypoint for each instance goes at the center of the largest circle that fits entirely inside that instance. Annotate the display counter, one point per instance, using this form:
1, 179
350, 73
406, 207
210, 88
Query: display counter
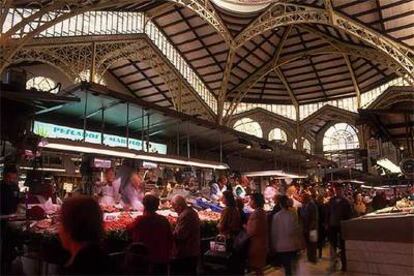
381, 243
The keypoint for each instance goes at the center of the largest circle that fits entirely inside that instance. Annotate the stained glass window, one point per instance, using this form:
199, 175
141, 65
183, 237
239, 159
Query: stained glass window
278, 135
249, 126
42, 84
340, 136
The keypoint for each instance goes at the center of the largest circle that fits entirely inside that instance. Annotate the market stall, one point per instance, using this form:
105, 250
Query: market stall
382, 242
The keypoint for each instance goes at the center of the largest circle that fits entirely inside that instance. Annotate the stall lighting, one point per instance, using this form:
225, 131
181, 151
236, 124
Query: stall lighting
357, 181
65, 147
387, 164
248, 147
181, 162
44, 169
71, 146
276, 173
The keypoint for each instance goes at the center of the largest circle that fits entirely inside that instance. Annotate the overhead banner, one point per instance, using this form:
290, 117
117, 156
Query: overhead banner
76, 134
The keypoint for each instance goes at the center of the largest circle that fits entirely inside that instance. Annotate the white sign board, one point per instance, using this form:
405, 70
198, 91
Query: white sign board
76, 134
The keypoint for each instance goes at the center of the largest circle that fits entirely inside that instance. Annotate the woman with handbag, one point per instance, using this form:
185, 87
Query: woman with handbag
285, 235
229, 227
256, 229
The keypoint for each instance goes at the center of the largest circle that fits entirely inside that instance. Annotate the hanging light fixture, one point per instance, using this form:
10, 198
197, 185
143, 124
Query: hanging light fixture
65, 145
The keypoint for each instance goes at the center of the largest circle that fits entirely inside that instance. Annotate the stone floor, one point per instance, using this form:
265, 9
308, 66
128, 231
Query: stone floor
305, 268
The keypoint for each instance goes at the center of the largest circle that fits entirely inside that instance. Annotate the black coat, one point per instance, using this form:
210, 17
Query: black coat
90, 260
9, 198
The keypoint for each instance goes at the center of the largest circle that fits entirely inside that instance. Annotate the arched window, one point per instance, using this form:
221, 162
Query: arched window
42, 84
85, 76
278, 135
249, 126
307, 146
340, 136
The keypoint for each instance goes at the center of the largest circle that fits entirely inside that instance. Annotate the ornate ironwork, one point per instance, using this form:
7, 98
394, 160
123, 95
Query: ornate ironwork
281, 14
73, 56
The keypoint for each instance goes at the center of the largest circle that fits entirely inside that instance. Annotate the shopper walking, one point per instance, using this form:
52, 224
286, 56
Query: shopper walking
154, 232
321, 224
285, 235
256, 229
339, 209
230, 221
309, 219
359, 206
186, 235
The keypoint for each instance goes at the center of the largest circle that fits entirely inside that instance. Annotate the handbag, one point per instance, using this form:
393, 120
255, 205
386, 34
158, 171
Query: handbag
241, 241
313, 235
219, 244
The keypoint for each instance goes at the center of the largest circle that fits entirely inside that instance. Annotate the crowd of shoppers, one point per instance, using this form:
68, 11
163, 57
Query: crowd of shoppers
302, 218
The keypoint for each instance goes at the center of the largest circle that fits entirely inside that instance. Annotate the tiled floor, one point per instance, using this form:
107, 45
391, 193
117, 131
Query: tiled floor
305, 268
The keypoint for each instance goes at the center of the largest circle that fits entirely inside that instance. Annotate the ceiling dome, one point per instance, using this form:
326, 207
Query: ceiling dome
243, 6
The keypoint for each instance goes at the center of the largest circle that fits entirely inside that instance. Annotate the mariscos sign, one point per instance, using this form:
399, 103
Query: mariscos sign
76, 134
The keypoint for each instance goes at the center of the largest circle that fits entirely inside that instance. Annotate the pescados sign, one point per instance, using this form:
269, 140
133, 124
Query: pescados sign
76, 134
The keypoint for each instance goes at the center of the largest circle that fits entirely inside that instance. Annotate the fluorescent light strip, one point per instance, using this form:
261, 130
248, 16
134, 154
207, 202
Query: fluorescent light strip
88, 150
277, 173
387, 164
181, 162
60, 146
44, 169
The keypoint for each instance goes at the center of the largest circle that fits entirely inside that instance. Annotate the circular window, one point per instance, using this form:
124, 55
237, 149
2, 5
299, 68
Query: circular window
42, 84
249, 126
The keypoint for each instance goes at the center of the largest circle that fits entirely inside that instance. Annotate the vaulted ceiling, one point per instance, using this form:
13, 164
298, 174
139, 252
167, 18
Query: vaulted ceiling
307, 73
311, 78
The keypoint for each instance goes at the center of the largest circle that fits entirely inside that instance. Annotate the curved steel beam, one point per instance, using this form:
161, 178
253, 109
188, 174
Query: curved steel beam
57, 11
206, 10
281, 14
242, 89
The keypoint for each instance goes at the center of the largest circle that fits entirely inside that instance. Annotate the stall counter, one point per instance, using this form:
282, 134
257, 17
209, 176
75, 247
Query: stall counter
381, 243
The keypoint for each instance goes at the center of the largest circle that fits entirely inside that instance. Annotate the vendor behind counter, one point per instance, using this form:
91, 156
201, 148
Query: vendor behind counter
9, 191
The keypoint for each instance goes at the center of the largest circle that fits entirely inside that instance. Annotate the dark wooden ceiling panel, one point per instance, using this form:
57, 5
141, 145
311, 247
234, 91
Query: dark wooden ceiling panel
317, 77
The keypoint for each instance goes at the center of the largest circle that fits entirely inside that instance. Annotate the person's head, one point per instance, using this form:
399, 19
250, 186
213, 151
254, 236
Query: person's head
81, 221
136, 181
109, 175
228, 199
10, 174
256, 200
284, 202
151, 203
358, 197
222, 181
339, 191
291, 190
306, 197
178, 203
